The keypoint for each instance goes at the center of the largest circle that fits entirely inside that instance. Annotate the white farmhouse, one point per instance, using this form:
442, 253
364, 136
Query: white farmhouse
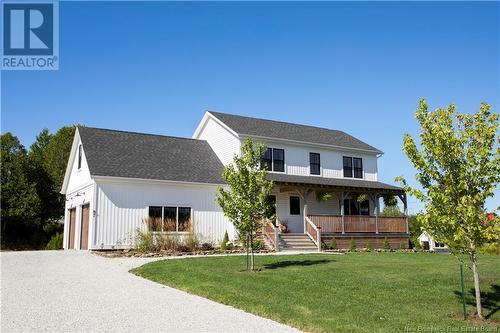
115, 180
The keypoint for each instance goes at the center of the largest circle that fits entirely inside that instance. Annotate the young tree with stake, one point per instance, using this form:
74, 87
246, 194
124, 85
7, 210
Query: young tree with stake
458, 167
245, 203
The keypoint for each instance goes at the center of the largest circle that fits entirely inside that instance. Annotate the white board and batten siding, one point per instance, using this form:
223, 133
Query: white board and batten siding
80, 191
122, 207
331, 160
221, 139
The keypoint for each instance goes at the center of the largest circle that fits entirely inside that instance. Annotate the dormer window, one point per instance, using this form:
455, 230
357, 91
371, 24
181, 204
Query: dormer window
79, 157
353, 166
273, 160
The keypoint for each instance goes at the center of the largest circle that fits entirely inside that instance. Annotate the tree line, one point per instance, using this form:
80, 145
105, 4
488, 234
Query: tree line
31, 179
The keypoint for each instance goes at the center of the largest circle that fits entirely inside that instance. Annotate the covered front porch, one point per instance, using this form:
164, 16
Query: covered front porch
337, 208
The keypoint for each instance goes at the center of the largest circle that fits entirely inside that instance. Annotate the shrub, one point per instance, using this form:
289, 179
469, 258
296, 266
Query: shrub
333, 244
402, 246
191, 242
56, 242
258, 245
225, 240
369, 245
490, 248
144, 241
183, 248
352, 245
207, 247
387, 245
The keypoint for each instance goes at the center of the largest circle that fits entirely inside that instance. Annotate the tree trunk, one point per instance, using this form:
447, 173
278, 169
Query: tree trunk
251, 252
246, 249
473, 257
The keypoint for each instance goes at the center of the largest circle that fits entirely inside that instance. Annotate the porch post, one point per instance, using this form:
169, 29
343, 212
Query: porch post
377, 211
405, 203
304, 194
342, 210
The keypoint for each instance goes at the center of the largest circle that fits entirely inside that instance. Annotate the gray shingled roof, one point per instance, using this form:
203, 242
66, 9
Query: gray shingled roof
334, 182
281, 130
136, 155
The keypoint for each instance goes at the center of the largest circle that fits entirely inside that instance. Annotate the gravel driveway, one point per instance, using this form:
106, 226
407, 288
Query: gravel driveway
76, 291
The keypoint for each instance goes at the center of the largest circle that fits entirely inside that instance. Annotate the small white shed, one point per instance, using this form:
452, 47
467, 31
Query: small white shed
428, 243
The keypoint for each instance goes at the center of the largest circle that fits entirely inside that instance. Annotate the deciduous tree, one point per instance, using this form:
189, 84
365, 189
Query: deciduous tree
246, 202
458, 168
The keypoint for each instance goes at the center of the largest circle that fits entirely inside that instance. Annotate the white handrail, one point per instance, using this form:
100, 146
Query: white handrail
316, 241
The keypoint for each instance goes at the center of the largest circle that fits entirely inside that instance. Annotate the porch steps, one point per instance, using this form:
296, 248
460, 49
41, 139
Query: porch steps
296, 242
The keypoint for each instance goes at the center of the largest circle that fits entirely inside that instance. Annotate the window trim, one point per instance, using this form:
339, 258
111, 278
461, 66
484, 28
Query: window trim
284, 166
290, 205
177, 206
319, 164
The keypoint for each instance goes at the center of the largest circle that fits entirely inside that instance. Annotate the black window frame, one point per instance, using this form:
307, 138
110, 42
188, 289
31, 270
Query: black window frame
357, 171
278, 162
79, 157
294, 203
348, 170
269, 160
352, 206
314, 167
163, 209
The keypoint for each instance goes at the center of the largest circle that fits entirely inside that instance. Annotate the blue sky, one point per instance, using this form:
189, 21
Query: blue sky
359, 67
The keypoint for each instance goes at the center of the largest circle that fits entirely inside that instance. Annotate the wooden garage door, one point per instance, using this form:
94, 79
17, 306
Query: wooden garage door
72, 224
84, 236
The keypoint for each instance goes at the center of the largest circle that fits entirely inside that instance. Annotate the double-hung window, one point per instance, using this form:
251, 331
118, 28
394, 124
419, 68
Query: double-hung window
273, 160
353, 166
169, 218
314, 164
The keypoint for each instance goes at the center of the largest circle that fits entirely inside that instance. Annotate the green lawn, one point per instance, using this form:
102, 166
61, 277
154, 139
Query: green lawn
359, 292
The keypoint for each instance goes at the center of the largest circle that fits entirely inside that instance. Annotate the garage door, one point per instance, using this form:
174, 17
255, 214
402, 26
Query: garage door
72, 225
84, 238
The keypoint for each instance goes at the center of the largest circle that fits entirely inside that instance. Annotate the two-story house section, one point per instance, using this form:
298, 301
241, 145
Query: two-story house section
115, 180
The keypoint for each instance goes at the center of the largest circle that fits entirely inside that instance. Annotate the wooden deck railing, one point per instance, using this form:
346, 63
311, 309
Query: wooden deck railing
392, 224
272, 234
327, 223
314, 232
359, 223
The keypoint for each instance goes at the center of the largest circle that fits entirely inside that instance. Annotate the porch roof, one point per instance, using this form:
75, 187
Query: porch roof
334, 183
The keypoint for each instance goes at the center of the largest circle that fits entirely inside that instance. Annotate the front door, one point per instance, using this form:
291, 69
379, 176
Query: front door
84, 235
71, 231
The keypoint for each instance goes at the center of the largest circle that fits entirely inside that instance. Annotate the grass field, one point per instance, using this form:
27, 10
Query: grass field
358, 292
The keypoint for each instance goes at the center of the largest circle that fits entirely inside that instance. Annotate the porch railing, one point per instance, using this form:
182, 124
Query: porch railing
359, 223
314, 232
327, 223
272, 234
392, 224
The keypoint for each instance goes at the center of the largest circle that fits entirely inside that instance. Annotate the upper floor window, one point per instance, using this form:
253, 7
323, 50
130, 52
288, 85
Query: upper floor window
314, 163
353, 166
79, 157
274, 160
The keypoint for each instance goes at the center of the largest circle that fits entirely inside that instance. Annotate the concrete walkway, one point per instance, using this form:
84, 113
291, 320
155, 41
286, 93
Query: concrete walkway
74, 291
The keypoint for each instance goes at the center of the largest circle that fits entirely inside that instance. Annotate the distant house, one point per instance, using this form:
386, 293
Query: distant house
116, 179
428, 243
